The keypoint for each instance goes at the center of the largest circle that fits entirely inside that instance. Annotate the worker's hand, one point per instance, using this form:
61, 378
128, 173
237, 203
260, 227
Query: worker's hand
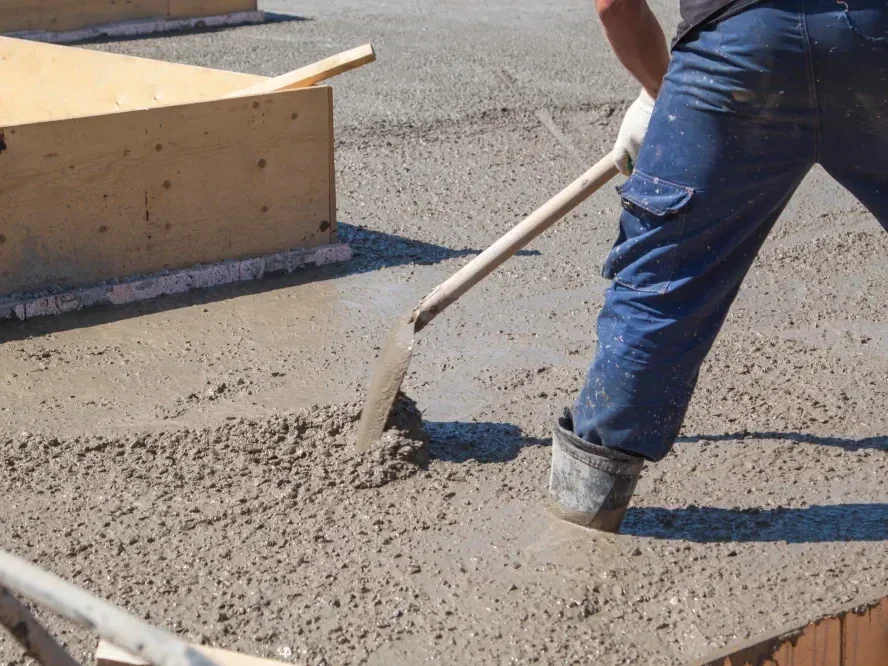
632, 131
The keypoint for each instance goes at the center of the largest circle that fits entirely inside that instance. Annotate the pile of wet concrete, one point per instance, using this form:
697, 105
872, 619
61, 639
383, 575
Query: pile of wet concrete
148, 520
314, 447
273, 537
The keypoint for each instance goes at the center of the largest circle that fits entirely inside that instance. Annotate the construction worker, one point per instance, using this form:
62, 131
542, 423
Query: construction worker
754, 95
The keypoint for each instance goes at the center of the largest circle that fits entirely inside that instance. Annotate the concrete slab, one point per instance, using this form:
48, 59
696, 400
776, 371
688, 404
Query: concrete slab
771, 512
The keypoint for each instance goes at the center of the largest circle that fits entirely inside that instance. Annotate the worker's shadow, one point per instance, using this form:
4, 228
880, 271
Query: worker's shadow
812, 524
486, 442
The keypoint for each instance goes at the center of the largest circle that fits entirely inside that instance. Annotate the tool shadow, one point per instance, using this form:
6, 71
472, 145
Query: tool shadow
812, 524
877, 443
375, 249
485, 442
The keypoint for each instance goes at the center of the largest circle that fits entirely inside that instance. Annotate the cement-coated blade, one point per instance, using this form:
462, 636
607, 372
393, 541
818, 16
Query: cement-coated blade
391, 368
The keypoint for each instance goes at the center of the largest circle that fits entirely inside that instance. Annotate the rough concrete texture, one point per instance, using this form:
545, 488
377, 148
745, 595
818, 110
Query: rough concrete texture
772, 510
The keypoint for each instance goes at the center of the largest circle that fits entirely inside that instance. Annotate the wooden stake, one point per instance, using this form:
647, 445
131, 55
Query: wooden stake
311, 74
30, 634
157, 646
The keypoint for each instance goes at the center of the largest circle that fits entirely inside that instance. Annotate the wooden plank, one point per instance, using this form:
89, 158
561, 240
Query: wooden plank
60, 15
16, 15
91, 199
30, 634
139, 28
314, 73
108, 621
865, 639
856, 636
66, 82
108, 655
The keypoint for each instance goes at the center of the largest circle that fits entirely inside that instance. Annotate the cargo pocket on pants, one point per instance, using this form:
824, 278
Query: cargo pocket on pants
873, 30
651, 228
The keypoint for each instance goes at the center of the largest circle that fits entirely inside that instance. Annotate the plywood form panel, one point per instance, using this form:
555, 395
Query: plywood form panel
60, 15
865, 639
192, 8
91, 199
47, 82
854, 637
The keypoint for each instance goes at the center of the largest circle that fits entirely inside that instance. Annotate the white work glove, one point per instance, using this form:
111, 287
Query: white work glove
632, 131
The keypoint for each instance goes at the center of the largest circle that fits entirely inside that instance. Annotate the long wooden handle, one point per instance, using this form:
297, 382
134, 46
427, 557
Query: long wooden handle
311, 74
524, 232
111, 623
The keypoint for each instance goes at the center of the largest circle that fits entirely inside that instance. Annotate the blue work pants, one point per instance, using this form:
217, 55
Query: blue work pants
749, 104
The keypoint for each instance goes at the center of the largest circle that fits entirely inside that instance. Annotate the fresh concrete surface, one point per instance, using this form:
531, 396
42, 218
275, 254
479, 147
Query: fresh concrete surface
771, 510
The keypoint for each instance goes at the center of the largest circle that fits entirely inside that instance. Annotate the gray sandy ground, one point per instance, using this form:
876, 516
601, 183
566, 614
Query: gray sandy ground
144, 454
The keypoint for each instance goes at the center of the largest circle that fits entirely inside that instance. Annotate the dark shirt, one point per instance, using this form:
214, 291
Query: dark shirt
695, 13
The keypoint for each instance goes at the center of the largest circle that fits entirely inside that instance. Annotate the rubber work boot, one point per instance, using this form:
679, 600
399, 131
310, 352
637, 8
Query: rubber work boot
590, 485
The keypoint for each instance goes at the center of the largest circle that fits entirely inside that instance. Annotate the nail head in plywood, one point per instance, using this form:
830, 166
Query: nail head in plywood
108, 655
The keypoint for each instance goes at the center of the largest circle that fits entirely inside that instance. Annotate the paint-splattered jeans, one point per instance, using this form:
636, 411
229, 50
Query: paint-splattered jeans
748, 106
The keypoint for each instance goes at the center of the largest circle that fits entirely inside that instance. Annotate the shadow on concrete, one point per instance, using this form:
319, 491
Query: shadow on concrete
374, 250
813, 524
877, 443
197, 29
281, 17
104, 314
461, 441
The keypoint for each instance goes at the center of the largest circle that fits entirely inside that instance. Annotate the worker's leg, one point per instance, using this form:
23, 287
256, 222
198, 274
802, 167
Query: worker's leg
850, 61
733, 134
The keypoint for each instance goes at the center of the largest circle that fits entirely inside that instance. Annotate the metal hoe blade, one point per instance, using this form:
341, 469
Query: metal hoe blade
391, 368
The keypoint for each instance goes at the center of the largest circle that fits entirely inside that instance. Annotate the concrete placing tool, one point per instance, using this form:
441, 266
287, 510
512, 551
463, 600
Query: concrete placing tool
398, 349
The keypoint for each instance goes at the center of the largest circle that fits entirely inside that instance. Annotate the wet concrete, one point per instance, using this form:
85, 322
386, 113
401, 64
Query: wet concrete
772, 509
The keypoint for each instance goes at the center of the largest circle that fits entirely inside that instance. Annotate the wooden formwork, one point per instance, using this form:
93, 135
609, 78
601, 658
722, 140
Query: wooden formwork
115, 167
64, 20
108, 655
146, 645
855, 636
